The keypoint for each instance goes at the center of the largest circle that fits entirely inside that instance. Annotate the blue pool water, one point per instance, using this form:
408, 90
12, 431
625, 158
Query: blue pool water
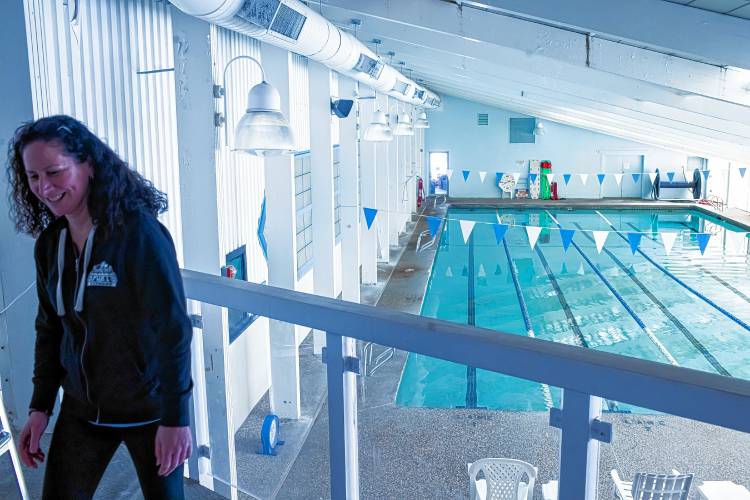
571, 297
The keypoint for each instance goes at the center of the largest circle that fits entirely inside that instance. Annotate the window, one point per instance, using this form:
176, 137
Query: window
303, 206
337, 191
522, 130
238, 320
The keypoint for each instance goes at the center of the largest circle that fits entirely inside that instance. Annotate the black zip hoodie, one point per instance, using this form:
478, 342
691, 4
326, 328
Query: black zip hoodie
123, 355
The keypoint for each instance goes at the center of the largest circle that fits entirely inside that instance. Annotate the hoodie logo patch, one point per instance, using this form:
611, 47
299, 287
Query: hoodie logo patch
102, 275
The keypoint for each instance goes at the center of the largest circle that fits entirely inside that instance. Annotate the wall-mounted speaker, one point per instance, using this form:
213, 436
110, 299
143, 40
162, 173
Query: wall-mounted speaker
341, 107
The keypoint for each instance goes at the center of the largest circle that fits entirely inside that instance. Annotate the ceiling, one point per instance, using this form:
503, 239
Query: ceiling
736, 8
653, 71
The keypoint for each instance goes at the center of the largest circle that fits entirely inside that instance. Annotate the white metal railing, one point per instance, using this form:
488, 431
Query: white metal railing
584, 375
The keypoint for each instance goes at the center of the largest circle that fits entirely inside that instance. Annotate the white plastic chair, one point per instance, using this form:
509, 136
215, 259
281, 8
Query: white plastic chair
503, 479
645, 486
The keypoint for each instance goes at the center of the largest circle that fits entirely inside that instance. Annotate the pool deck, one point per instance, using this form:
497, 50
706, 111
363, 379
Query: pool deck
407, 452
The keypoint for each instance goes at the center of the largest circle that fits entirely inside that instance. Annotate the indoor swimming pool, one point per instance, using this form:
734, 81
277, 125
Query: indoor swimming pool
684, 308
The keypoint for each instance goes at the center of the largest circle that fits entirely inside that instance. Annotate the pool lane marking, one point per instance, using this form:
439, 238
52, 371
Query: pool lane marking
718, 278
624, 304
546, 393
471, 372
680, 326
679, 281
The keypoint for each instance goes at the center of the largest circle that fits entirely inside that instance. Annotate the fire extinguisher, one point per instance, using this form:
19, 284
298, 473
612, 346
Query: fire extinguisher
420, 192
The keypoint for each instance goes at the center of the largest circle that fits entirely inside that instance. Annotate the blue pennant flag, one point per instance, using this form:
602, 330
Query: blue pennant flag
261, 228
498, 176
564, 269
465, 272
369, 215
433, 223
703, 241
566, 235
466, 174
532, 178
705, 174
500, 230
742, 170
601, 178
566, 178
670, 176
635, 240
636, 177
498, 271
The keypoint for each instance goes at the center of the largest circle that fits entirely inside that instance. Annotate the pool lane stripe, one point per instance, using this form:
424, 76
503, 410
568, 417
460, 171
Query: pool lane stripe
718, 278
680, 326
679, 281
471, 372
546, 393
622, 301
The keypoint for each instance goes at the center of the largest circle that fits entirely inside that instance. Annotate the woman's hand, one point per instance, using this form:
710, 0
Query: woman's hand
28, 441
173, 446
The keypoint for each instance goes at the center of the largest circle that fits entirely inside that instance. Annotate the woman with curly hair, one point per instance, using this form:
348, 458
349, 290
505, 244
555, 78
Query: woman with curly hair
111, 328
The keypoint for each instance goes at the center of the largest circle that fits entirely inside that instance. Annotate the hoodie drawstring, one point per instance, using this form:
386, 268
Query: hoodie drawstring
78, 303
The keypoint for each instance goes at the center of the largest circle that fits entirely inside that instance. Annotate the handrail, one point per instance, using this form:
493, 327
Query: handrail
681, 391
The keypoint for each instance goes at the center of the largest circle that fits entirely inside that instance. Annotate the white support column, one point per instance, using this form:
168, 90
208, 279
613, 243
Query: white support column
349, 194
395, 157
579, 451
367, 159
196, 133
382, 161
282, 257
321, 156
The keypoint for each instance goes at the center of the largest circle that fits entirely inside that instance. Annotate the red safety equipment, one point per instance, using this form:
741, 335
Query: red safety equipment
420, 192
554, 191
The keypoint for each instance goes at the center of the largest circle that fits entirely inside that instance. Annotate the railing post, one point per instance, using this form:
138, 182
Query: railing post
579, 449
342, 417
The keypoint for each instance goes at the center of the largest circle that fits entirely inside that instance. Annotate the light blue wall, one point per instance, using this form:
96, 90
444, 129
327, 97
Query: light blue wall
453, 128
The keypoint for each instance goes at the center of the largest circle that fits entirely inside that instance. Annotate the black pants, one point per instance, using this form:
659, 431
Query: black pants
80, 452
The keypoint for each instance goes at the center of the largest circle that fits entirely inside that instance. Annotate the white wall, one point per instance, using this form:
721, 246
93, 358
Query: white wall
453, 128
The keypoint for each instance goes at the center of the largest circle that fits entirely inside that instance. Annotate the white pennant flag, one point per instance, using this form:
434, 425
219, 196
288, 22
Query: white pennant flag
466, 228
580, 269
584, 178
482, 175
449, 272
618, 178
481, 274
550, 177
449, 173
652, 176
668, 240
600, 237
533, 233
516, 176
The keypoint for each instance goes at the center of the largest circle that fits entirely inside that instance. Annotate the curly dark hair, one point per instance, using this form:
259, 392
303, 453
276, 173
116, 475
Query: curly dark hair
115, 191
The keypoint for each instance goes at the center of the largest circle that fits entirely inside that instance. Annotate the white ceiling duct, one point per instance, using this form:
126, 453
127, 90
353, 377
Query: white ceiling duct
293, 26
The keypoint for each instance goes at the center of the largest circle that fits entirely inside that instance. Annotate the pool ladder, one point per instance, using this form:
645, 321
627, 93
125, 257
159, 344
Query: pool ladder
370, 362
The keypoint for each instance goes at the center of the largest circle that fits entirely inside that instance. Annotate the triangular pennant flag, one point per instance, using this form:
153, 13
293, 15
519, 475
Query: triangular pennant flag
433, 224
550, 177
498, 271
670, 176
464, 271
601, 177
533, 233
634, 239
703, 238
584, 178
580, 269
466, 228
636, 177
466, 174
742, 170
668, 240
532, 178
369, 215
449, 272
498, 176
481, 273
566, 235
500, 230
564, 269
566, 178
449, 173
705, 174
482, 176
516, 176
600, 237
652, 176
618, 178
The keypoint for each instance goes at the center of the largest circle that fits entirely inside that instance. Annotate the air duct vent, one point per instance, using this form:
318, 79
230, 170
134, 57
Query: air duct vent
419, 94
369, 66
288, 22
400, 87
483, 119
260, 13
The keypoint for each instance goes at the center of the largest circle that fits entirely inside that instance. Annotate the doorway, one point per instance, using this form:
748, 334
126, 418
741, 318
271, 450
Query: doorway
439, 172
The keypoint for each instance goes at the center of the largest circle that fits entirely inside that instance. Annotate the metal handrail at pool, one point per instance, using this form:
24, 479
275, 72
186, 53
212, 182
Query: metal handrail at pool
584, 375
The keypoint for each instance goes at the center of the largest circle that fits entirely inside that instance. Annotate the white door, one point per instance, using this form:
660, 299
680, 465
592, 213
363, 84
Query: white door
625, 165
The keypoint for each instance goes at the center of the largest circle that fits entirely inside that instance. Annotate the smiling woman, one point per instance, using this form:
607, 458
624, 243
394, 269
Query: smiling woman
111, 328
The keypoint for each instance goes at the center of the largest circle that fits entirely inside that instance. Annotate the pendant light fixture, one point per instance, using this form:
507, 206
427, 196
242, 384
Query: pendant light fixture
378, 130
421, 121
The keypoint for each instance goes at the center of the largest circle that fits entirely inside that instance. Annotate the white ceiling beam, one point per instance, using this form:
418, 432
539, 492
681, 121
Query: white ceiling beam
672, 28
